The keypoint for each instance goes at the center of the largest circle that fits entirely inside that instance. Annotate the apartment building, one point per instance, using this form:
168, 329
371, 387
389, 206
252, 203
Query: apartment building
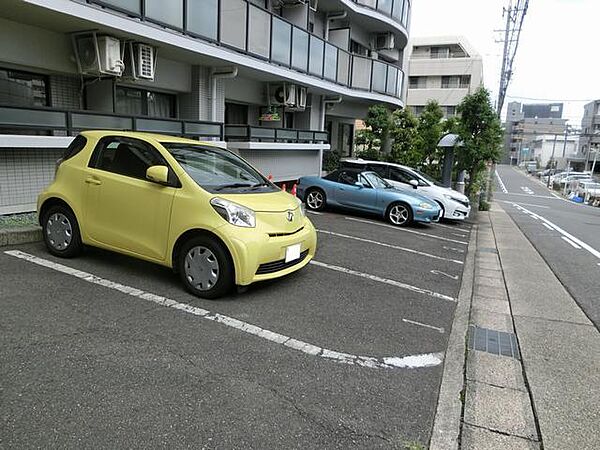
590, 135
525, 123
278, 81
445, 69
556, 148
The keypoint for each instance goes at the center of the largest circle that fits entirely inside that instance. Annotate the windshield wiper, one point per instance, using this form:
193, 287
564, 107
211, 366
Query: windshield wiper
233, 185
264, 183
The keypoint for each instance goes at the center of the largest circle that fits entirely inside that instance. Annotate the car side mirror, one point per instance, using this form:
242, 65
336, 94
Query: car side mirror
158, 174
414, 183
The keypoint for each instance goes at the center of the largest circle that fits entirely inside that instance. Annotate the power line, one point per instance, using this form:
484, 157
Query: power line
550, 99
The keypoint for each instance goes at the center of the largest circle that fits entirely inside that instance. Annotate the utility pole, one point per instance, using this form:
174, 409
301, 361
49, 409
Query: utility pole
552, 158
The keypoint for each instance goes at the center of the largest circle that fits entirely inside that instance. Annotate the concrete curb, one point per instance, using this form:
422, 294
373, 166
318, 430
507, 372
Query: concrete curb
446, 426
21, 235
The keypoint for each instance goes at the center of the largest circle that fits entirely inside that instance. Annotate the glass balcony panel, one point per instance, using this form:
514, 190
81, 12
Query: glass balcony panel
343, 69
392, 79
331, 57
299, 49
361, 72
406, 12
100, 122
385, 6
280, 42
127, 5
399, 84
316, 56
259, 32
202, 17
379, 76
368, 3
171, 15
233, 23
397, 10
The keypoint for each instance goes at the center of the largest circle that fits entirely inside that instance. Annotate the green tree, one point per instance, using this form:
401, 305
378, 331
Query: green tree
431, 128
480, 132
407, 143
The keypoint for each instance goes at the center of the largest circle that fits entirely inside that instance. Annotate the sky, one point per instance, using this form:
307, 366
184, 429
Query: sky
558, 58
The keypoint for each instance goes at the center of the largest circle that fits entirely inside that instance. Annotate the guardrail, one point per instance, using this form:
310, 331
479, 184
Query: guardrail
248, 133
73, 121
257, 32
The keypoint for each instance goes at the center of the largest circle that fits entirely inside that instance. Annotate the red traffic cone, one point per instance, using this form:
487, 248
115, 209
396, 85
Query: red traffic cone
283, 187
294, 190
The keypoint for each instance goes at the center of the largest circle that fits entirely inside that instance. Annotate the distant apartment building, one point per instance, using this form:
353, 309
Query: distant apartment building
589, 142
445, 69
556, 148
277, 81
525, 123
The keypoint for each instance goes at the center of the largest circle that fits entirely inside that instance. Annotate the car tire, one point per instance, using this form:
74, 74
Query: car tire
316, 199
399, 214
61, 232
206, 268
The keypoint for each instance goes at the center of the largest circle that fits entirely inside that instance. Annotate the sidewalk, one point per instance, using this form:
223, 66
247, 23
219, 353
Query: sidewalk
532, 373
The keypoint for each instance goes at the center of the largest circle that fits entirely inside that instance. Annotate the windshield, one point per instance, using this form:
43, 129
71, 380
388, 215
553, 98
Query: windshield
218, 170
427, 178
376, 181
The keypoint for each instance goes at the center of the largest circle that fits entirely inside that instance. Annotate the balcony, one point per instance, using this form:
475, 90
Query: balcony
247, 133
398, 10
249, 29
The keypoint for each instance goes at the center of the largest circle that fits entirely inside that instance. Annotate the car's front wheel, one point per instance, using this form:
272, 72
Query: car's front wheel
205, 267
315, 199
61, 232
399, 214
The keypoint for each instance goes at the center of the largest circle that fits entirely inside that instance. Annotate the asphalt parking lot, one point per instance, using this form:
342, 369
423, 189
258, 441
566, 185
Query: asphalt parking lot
104, 350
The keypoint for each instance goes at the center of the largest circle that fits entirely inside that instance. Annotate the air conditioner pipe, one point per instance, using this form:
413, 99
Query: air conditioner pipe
218, 74
324, 102
331, 18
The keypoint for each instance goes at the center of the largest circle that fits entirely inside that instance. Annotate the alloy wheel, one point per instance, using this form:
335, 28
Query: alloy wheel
201, 268
399, 214
59, 231
315, 200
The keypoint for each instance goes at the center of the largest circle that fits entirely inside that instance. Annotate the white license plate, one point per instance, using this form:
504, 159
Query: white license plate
292, 252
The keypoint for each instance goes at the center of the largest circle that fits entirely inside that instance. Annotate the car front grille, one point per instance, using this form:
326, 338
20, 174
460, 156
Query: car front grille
276, 266
286, 234
465, 204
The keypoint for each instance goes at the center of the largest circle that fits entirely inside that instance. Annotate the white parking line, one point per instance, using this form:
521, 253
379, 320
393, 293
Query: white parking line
454, 249
396, 247
407, 231
392, 362
444, 274
555, 195
314, 212
530, 196
455, 227
384, 280
526, 204
441, 330
577, 241
548, 226
570, 242
502, 186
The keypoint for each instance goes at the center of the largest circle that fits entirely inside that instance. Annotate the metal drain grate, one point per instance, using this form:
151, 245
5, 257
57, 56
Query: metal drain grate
492, 341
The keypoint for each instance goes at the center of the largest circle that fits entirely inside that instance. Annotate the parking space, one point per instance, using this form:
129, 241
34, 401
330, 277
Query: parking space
347, 353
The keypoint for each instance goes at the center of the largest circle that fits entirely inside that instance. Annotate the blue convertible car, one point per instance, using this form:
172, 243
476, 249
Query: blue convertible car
368, 192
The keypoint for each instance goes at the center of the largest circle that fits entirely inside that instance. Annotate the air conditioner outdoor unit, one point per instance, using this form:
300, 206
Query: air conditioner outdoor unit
384, 41
283, 94
144, 61
98, 55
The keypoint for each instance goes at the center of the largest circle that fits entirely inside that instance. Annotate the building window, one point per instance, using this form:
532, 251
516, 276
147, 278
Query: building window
450, 111
417, 110
141, 102
358, 49
345, 139
440, 52
23, 88
236, 114
417, 82
456, 82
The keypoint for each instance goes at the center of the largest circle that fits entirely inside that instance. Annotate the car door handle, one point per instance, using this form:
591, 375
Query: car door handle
91, 180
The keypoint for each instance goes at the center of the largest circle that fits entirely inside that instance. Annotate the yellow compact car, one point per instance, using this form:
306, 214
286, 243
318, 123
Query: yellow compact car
185, 204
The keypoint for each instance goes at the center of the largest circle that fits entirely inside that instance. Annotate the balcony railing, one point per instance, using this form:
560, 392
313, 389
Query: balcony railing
247, 133
71, 122
242, 26
399, 10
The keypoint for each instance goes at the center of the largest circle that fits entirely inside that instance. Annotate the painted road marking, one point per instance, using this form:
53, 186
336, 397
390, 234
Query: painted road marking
527, 190
548, 226
529, 195
453, 227
314, 212
392, 362
570, 242
444, 274
384, 280
383, 244
454, 249
577, 241
407, 231
459, 235
526, 204
441, 330
502, 186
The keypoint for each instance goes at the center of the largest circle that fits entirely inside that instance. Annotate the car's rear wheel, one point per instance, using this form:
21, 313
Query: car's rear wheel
399, 214
61, 232
316, 199
205, 267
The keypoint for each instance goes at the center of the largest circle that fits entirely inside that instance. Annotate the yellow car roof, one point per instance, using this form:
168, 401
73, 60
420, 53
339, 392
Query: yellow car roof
155, 137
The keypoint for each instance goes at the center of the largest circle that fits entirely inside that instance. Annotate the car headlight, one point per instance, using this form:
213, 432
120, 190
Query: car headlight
302, 207
233, 213
458, 200
424, 205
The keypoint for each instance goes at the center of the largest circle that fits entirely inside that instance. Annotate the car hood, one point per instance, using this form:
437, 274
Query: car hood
412, 195
279, 201
457, 195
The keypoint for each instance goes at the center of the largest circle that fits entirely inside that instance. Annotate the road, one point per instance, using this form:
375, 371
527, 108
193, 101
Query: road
566, 234
107, 351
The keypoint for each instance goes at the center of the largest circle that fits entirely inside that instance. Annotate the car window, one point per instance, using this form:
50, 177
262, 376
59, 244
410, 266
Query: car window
379, 169
126, 156
333, 176
400, 175
75, 147
375, 180
347, 177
